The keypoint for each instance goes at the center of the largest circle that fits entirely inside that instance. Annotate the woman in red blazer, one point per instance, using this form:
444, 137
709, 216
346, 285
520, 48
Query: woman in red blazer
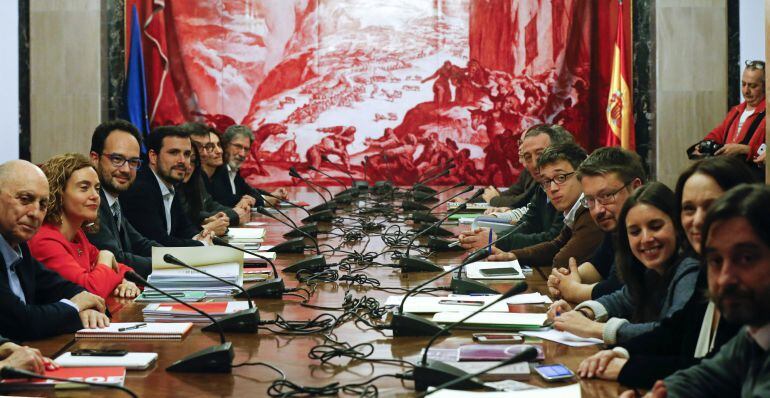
61, 243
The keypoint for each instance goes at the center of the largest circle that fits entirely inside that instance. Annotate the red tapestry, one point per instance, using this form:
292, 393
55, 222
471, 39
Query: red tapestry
390, 88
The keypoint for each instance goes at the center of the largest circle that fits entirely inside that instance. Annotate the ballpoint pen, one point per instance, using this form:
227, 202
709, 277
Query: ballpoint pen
137, 326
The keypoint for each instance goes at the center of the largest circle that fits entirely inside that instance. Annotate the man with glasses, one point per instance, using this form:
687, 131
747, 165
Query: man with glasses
742, 132
608, 177
115, 147
580, 236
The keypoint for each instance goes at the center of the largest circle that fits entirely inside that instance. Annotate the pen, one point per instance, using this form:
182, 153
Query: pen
461, 302
489, 243
137, 326
453, 244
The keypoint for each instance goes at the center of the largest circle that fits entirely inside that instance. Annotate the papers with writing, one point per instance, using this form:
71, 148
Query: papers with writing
565, 338
473, 270
224, 262
462, 302
152, 331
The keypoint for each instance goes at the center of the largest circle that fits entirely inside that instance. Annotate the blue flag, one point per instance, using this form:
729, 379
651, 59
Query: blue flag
135, 88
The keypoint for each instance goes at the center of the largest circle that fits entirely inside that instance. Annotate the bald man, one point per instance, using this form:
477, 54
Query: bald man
35, 303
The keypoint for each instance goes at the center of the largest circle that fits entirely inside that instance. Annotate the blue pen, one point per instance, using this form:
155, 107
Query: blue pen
489, 243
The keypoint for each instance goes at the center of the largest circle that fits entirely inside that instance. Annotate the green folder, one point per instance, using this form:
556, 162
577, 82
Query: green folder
463, 215
151, 296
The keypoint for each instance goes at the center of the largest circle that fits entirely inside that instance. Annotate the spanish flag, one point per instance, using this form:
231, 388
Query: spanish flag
620, 107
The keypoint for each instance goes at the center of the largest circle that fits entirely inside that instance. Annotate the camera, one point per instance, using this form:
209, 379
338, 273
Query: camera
709, 147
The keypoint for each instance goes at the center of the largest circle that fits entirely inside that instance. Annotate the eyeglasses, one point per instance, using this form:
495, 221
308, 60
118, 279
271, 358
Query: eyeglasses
559, 179
755, 64
603, 199
119, 160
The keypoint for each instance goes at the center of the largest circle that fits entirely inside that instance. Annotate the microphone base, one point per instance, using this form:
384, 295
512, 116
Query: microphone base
343, 199
442, 245
424, 217
417, 264
216, 359
412, 205
323, 206
424, 188
244, 321
424, 197
469, 286
323, 215
434, 230
312, 262
294, 245
435, 373
361, 185
354, 192
311, 229
271, 288
409, 325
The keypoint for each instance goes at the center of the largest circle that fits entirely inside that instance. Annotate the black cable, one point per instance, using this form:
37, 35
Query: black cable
283, 375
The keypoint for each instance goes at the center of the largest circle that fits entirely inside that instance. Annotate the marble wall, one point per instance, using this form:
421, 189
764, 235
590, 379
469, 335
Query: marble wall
691, 78
65, 75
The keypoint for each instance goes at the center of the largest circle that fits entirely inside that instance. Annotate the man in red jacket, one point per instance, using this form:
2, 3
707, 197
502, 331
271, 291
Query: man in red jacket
742, 132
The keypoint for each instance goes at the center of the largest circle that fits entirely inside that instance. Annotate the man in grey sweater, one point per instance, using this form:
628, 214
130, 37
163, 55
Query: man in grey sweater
737, 256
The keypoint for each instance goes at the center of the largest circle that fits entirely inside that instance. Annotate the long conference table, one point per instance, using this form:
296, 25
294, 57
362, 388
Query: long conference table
290, 353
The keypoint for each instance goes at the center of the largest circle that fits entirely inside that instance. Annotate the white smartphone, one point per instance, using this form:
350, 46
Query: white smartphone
510, 338
554, 372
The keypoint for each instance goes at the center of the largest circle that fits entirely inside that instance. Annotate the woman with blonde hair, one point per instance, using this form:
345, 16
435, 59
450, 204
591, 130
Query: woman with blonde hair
61, 244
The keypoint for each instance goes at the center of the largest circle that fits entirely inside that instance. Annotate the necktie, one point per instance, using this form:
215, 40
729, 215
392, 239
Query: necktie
116, 213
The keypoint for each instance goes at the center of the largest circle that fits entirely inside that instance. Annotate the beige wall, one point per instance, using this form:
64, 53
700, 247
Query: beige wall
65, 75
691, 78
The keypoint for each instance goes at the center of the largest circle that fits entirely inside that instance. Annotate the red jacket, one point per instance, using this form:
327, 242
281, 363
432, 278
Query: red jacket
725, 132
76, 260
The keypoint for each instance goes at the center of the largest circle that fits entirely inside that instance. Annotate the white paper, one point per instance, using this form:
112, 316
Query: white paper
246, 234
196, 256
131, 361
467, 220
255, 224
562, 337
493, 318
473, 270
570, 391
432, 304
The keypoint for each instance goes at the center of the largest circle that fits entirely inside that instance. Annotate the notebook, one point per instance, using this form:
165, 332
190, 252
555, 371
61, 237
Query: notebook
153, 331
245, 235
130, 361
105, 375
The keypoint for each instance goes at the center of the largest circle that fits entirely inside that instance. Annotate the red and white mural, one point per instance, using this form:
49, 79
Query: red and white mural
400, 86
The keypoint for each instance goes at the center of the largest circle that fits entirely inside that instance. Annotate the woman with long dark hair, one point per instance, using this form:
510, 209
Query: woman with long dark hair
697, 331
198, 204
658, 272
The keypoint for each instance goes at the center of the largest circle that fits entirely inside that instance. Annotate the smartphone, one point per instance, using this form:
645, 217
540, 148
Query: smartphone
99, 353
499, 271
511, 338
554, 372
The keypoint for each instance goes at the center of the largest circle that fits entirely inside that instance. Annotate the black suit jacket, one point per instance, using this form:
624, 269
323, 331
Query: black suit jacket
518, 194
143, 207
220, 189
127, 244
43, 315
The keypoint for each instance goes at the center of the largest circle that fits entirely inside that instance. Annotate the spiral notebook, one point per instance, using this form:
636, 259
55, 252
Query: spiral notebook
152, 331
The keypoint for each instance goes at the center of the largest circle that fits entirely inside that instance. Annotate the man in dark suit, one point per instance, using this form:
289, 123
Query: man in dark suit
150, 204
35, 302
115, 156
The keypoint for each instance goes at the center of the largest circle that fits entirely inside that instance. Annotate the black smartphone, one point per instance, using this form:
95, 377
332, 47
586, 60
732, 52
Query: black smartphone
499, 271
99, 353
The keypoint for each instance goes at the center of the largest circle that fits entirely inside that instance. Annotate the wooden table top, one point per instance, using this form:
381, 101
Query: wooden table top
290, 353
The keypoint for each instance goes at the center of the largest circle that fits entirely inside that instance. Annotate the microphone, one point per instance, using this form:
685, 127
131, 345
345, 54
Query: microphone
341, 199
436, 230
418, 264
460, 285
245, 321
414, 205
432, 372
350, 192
408, 324
271, 288
216, 359
529, 354
323, 206
354, 184
422, 196
312, 262
8, 372
425, 216
421, 185
366, 178
297, 234
292, 204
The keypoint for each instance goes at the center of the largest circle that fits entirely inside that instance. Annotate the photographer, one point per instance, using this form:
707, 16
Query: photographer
741, 133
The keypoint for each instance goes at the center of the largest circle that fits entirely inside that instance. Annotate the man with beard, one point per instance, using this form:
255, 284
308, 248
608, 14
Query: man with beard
150, 204
736, 254
115, 156
226, 184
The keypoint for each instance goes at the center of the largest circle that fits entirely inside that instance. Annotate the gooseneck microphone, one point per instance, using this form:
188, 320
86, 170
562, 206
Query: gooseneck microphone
359, 185
296, 243
437, 230
313, 262
408, 205
271, 288
527, 355
326, 205
215, 359
292, 204
8, 372
419, 264
431, 372
425, 216
462, 285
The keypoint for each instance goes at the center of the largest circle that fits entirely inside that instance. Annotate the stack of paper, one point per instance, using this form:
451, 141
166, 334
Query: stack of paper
468, 206
250, 259
137, 331
245, 235
175, 312
224, 262
130, 361
152, 296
